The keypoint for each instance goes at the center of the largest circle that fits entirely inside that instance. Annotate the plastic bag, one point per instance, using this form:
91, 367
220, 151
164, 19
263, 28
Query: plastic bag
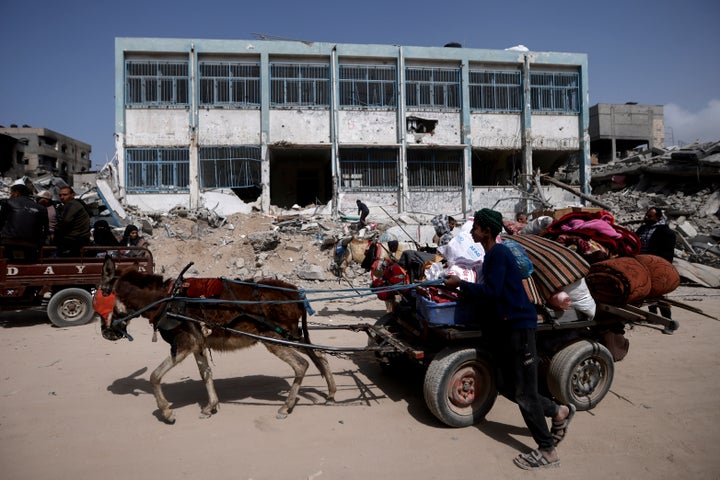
521, 259
580, 298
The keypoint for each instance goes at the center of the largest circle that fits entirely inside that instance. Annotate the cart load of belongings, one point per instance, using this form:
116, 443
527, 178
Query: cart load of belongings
560, 276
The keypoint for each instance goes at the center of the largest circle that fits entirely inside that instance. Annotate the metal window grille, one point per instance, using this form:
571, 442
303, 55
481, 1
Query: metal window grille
157, 170
156, 83
555, 91
229, 84
495, 90
368, 86
368, 168
435, 88
437, 169
293, 85
230, 167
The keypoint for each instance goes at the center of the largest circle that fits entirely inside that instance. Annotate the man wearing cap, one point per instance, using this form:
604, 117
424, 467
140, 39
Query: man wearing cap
515, 322
23, 224
45, 199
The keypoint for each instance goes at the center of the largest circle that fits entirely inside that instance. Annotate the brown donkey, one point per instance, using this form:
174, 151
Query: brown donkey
274, 310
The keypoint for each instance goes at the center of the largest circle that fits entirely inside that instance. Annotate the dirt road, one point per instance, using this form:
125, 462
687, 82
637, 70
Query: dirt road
73, 405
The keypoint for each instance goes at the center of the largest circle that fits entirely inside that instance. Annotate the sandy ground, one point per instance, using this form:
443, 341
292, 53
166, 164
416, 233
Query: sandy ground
73, 405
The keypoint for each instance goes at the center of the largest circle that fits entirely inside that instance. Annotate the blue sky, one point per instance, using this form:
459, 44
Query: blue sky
58, 57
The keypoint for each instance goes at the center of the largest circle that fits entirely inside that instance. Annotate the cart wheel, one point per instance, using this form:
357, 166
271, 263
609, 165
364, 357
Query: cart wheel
581, 374
70, 307
460, 387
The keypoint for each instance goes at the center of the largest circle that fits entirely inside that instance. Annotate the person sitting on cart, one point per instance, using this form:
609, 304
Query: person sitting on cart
514, 323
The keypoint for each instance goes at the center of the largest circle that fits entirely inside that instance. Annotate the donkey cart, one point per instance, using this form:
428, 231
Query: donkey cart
462, 379
462, 376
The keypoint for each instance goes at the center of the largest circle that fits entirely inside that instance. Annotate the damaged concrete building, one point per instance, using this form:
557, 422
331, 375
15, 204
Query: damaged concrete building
33, 151
412, 129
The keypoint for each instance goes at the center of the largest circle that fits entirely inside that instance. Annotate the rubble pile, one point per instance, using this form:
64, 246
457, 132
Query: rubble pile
684, 182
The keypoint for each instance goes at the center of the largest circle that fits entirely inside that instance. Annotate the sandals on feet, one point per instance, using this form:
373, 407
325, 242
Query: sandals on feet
559, 428
533, 460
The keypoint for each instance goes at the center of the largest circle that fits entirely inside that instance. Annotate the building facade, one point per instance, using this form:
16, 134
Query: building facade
413, 129
618, 128
34, 151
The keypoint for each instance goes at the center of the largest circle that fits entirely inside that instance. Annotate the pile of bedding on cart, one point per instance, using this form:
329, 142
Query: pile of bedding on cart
578, 260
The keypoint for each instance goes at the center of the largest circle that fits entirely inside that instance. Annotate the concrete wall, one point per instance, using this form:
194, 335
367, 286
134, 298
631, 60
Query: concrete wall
555, 132
229, 127
447, 131
373, 127
429, 201
496, 130
299, 127
156, 127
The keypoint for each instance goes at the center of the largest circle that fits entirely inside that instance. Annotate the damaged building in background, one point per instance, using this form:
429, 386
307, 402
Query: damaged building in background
40, 151
283, 123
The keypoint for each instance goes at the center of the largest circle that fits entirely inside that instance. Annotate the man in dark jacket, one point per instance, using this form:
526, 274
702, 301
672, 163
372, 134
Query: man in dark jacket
23, 224
656, 238
73, 227
364, 211
513, 319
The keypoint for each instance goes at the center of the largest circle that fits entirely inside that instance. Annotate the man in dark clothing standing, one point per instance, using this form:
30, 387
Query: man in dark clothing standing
657, 238
23, 224
364, 211
514, 322
73, 227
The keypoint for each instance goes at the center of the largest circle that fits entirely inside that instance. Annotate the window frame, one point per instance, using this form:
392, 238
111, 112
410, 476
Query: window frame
152, 170
170, 90
425, 168
294, 85
242, 84
376, 169
356, 92
559, 92
232, 163
422, 93
493, 90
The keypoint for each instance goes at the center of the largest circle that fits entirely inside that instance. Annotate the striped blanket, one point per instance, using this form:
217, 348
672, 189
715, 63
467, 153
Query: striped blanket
555, 266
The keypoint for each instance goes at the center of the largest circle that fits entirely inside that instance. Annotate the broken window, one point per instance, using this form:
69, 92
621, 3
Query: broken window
230, 167
229, 84
495, 90
432, 87
368, 86
156, 82
368, 168
555, 92
157, 170
436, 169
293, 85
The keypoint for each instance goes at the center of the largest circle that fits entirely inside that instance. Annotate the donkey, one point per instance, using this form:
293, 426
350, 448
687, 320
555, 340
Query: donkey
273, 311
366, 252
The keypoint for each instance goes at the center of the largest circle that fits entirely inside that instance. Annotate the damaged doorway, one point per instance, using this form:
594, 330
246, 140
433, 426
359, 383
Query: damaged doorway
300, 176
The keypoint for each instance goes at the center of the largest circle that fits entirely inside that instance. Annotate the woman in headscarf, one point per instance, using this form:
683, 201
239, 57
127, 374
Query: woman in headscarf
103, 235
132, 238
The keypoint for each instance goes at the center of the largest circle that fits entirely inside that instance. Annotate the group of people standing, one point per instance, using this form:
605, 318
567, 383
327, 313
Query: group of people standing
27, 224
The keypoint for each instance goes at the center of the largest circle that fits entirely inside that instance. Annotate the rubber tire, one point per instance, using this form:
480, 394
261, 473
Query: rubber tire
581, 374
439, 381
70, 307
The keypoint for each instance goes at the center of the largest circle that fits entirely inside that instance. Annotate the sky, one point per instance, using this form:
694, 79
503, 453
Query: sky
57, 63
